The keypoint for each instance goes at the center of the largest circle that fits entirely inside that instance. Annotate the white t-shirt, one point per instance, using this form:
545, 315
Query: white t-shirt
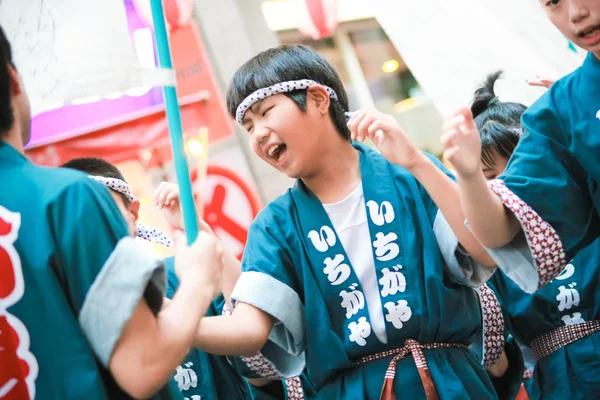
349, 219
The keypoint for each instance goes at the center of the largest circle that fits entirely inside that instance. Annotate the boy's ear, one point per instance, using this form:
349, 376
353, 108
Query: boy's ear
134, 209
319, 97
16, 85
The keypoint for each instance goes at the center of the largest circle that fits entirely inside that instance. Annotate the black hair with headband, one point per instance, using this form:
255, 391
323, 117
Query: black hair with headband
289, 63
97, 167
499, 122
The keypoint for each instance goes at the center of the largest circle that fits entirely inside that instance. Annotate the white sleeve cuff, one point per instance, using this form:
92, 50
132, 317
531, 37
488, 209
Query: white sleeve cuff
116, 292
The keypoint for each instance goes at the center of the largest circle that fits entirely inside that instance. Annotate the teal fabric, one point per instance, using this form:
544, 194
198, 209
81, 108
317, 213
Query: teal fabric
572, 297
291, 242
309, 391
202, 375
69, 227
555, 167
509, 385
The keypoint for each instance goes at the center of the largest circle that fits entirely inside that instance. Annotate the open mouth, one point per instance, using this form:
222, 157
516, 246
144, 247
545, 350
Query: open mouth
590, 33
277, 151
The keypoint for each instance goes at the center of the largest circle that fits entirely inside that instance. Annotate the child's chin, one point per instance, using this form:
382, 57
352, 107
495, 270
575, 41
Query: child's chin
294, 174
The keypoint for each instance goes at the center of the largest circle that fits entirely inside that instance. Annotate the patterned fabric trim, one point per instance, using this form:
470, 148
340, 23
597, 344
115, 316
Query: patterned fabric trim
258, 362
416, 349
493, 325
547, 343
543, 241
115, 184
294, 388
283, 87
153, 235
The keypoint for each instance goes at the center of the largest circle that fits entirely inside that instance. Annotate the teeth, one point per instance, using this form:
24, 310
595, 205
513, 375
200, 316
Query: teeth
272, 150
591, 32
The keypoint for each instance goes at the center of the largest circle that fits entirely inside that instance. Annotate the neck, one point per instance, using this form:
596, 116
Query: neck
337, 176
13, 138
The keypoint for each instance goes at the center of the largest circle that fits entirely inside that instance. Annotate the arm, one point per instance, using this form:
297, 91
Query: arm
232, 269
243, 333
151, 347
507, 374
506, 370
492, 223
395, 146
115, 287
166, 197
489, 220
499, 368
444, 193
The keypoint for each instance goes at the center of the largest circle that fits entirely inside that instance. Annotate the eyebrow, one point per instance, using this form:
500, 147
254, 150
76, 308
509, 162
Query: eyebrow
254, 109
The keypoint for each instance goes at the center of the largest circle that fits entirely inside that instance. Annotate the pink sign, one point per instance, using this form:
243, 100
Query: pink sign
93, 113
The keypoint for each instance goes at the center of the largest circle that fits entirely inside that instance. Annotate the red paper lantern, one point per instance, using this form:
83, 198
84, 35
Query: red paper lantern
177, 12
317, 18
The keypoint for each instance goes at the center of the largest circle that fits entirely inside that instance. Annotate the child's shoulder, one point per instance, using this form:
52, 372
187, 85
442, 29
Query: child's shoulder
562, 92
277, 211
555, 109
53, 183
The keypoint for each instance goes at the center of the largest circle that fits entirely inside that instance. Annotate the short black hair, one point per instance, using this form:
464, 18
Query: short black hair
7, 117
289, 63
499, 123
97, 167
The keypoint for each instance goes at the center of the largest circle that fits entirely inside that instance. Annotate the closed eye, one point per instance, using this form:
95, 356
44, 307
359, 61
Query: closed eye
267, 110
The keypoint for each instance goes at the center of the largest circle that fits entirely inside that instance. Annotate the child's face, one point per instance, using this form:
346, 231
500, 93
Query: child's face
284, 136
497, 168
578, 20
129, 213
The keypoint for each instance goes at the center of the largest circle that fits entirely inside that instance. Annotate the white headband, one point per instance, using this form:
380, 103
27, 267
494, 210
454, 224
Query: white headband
115, 184
143, 231
283, 87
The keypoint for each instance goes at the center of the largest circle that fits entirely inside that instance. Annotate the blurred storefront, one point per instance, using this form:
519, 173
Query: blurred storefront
129, 128
373, 72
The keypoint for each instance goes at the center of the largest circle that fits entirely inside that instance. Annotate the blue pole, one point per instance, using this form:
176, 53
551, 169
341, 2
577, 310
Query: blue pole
174, 122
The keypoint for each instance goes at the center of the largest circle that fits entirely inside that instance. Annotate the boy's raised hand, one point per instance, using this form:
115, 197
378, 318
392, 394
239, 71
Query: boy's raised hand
387, 134
203, 261
462, 144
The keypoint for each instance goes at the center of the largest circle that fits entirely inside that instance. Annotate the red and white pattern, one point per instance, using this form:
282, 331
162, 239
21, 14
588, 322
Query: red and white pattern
493, 325
18, 366
543, 241
416, 349
294, 389
547, 343
262, 366
258, 362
